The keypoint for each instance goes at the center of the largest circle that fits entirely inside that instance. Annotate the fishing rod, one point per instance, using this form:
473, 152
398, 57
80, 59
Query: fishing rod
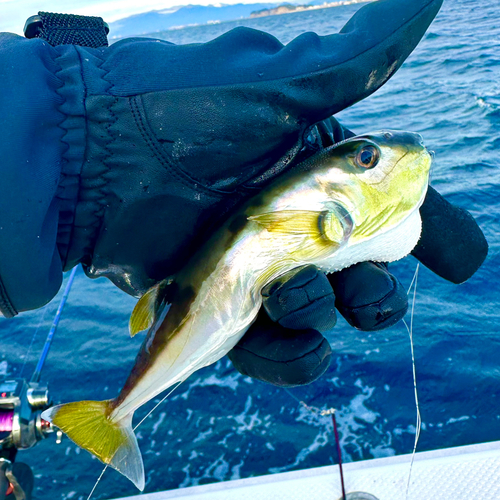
22, 402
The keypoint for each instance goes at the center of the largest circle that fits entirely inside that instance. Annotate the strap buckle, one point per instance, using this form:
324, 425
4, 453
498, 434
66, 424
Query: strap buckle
65, 28
33, 27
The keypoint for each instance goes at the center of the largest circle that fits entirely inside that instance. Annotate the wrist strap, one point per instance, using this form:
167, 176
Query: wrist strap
68, 29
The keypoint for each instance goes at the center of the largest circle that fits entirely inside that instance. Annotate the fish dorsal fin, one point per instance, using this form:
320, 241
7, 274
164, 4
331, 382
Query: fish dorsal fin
147, 308
310, 223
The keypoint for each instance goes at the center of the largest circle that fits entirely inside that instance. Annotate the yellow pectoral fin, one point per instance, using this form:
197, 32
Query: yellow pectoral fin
306, 235
296, 222
145, 311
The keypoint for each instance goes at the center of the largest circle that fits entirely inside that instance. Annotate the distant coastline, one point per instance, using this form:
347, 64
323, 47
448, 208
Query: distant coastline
289, 8
152, 22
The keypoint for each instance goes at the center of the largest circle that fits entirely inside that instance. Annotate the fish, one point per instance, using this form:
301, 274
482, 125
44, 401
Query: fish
355, 201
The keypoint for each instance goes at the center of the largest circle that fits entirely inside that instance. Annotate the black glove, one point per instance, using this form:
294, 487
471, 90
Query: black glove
131, 154
230, 116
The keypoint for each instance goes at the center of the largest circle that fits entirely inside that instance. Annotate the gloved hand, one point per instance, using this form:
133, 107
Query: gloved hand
125, 158
291, 350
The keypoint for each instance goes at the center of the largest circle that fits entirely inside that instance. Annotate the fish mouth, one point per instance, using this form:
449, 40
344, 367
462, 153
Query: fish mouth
418, 142
423, 153
430, 154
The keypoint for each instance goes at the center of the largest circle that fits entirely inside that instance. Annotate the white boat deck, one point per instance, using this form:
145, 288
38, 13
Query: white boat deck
462, 473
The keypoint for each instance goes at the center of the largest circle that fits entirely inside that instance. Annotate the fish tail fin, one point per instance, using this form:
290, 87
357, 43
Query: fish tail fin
90, 426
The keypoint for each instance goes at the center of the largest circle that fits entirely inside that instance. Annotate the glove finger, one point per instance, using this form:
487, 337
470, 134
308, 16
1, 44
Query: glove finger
368, 296
301, 299
282, 357
452, 245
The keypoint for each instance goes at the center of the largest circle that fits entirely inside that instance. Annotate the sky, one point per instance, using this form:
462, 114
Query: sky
13, 13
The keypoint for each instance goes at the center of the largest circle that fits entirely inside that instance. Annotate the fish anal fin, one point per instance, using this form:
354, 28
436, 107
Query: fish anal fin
88, 424
146, 310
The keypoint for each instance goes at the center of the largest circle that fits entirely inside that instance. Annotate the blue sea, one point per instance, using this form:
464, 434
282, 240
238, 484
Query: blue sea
220, 425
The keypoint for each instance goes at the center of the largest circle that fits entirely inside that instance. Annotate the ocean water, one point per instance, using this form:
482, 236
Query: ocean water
220, 425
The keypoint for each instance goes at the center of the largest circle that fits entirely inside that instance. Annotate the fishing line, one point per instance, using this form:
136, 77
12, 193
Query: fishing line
307, 407
97, 482
158, 404
32, 341
148, 414
410, 332
324, 413
331, 411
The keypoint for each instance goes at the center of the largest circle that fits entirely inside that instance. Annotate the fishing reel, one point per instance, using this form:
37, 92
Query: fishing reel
21, 424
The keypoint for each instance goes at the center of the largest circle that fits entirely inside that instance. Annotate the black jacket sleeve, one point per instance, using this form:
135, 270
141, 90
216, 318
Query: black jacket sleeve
120, 157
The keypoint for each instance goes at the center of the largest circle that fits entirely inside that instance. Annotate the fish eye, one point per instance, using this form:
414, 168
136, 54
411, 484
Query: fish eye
367, 157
